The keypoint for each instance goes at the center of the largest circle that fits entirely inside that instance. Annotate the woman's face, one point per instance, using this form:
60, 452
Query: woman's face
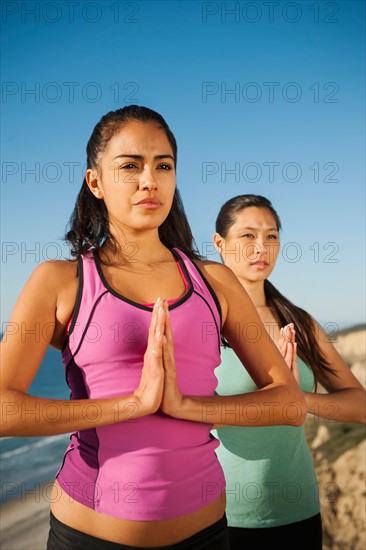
135, 177
251, 246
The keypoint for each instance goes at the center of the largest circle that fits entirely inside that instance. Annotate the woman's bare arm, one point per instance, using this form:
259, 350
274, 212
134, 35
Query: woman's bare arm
279, 400
346, 397
41, 311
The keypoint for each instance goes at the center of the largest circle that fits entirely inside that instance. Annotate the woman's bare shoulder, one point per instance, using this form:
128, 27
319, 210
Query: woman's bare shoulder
56, 271
53, 281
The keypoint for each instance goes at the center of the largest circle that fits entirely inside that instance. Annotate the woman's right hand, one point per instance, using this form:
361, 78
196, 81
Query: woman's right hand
150, 390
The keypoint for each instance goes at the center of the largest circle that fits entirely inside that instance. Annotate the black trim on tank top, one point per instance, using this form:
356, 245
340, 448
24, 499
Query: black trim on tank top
84, 394
64, 459
179, 301
213, 316
87, 324
75, 313
211, 291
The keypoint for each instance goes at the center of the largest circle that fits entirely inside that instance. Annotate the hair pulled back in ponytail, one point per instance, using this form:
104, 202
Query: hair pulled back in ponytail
286, 312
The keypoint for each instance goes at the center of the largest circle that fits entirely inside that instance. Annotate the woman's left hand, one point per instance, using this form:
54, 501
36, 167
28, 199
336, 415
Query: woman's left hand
172, 397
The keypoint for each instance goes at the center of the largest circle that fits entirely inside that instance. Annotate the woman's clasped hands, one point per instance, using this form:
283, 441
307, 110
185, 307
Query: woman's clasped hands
288, 348
158, 388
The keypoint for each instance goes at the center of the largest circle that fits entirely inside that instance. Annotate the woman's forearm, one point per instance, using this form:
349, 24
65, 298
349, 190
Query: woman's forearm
347, 405
275, 405
26, 415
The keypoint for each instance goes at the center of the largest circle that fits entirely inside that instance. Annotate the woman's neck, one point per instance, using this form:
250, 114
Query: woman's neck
255, 289
144, 248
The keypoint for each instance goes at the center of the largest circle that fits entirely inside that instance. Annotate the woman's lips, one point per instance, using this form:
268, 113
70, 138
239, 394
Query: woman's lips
150, 204
260, 265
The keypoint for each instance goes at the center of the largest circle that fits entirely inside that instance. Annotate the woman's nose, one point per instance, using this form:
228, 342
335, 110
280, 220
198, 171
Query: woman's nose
260, 247
148, 179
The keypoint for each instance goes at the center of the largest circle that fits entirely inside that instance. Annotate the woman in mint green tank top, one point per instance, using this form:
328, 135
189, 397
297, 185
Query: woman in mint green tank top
271, 485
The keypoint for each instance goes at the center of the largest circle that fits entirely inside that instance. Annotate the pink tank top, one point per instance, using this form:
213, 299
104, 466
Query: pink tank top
155, 467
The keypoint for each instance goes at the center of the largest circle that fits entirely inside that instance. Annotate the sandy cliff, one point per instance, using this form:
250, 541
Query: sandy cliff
339, 454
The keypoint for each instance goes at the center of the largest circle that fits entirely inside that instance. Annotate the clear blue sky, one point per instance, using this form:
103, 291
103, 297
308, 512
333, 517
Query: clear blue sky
263, 97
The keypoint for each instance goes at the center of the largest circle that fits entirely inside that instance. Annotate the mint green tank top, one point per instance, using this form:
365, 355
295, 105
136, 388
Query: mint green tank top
270, 477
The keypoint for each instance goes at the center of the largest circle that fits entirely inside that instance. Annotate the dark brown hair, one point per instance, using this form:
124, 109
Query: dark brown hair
286, 312
89, 223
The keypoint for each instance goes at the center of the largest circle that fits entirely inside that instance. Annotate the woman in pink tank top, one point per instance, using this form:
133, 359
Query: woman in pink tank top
139, 318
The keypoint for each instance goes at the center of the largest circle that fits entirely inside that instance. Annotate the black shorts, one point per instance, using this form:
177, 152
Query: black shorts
306, 533
63, 537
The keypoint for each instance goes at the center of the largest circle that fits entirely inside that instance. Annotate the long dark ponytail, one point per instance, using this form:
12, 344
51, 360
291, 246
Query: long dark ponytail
286, 312
89, 222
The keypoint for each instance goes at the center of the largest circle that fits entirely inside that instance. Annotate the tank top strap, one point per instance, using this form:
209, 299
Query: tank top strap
93, 285
201, 286
90, 291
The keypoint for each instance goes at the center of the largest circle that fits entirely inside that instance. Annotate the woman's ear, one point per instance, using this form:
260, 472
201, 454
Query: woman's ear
219, 242
93, 182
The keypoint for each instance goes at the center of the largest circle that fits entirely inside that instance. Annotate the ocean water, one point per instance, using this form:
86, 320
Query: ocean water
26, 462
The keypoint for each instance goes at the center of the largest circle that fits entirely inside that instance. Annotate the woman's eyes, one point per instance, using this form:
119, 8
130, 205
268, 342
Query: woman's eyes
251, 236
133, 166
